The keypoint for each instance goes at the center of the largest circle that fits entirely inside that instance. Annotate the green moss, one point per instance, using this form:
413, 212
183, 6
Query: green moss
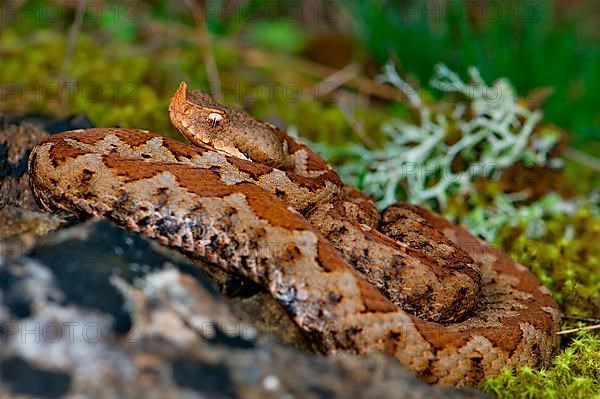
109, 84
579, 179
575, 373
566, 258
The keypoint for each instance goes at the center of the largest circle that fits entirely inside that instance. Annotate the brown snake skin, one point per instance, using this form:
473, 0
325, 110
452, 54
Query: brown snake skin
252, 200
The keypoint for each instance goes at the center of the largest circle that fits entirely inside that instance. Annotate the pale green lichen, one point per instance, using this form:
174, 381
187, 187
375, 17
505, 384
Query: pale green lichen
485, 131
507, 211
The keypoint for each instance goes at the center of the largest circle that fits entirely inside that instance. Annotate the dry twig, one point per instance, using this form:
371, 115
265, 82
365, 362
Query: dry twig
198, 11
72, 41
357, 126
70, 50
582, 158
334, 81
573, 330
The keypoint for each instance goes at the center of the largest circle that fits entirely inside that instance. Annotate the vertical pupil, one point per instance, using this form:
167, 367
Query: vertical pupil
214, 118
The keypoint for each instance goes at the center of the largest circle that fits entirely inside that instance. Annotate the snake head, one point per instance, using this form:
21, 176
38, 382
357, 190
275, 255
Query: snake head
205, 122
197, 116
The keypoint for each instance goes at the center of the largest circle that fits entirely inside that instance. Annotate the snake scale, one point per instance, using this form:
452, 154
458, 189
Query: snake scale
249, 198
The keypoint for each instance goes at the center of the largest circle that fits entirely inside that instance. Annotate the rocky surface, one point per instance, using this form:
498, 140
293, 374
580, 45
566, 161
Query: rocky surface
19, 213
16, 142
94, 311
17, 136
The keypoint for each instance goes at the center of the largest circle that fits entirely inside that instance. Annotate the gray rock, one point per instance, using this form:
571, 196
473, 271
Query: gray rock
19, 213
16, 142
15, 222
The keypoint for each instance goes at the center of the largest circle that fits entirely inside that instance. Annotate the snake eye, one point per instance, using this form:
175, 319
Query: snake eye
214, 118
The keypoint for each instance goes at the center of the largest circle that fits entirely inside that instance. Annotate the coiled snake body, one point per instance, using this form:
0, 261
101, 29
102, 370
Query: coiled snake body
252, 200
